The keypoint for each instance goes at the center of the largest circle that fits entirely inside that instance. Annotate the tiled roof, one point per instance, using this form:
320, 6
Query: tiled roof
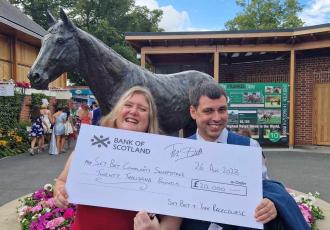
13, 17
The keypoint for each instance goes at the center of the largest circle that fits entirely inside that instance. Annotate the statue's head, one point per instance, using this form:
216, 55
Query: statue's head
59, 52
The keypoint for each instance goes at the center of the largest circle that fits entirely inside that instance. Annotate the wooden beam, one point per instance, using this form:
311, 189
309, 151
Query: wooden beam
178, 49
292, 99
143, 59
220, 48
253, 48
14, 57
312, 45
216, 66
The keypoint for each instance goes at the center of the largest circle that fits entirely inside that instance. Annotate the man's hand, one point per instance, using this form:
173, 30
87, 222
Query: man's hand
265, 211
142, 221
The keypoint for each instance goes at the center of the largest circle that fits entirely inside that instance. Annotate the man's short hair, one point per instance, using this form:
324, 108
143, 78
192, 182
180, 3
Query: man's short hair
210, 89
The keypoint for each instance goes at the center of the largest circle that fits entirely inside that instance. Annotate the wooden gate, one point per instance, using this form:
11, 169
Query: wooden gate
321, 114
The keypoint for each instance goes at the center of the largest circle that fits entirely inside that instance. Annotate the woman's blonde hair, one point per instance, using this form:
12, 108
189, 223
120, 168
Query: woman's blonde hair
110, 119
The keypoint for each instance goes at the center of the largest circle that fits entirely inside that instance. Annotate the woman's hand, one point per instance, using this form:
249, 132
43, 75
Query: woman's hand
60, 194
143, 221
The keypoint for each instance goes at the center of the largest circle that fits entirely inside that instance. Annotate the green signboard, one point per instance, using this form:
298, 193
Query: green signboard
260, 107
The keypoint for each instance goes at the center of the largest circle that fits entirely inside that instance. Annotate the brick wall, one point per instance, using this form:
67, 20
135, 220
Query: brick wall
26, 107
309, 70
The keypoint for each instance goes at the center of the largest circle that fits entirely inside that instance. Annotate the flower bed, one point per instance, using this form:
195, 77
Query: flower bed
308, 208
38, 211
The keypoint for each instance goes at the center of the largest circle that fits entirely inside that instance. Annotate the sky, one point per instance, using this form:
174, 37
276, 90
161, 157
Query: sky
203, 15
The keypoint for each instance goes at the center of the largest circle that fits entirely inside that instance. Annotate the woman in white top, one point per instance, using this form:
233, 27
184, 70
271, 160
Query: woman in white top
47, 123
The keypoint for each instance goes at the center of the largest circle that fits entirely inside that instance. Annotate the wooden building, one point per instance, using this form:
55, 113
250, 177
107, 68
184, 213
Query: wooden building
20, 41
300, 57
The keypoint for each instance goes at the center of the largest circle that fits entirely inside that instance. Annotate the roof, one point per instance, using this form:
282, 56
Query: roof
12, 17
286, 37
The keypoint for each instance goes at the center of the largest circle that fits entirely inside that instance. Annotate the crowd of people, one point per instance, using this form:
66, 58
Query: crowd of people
136, 111
59, 128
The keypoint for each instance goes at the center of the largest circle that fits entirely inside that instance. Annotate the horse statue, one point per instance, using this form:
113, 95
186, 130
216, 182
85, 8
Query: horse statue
67, 48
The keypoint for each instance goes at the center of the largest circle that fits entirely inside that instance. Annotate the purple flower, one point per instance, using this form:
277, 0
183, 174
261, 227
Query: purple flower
33, 225
39, 194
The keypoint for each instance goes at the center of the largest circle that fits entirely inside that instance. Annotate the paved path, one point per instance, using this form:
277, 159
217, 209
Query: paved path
305, 171
23, 174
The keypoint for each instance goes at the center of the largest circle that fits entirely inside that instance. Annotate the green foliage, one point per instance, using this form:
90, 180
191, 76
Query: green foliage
107, 20
266, 14
37, 8
61, 103
13, 135
10, 111
36, 99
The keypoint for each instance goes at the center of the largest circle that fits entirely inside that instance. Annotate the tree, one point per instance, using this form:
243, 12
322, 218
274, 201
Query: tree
106, 20
266, 14
37, 9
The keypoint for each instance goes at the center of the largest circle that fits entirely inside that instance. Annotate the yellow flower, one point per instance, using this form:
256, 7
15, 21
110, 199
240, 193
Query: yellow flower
18, 138
3, 143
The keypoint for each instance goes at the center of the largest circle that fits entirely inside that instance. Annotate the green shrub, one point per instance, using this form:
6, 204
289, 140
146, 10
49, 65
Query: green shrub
13, 135
36, 99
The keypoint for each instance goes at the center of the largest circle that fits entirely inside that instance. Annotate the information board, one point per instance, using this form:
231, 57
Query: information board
262, 108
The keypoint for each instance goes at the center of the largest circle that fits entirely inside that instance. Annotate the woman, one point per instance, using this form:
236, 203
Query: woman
47, 123
59, 128
37, 131
134, 111
84, 114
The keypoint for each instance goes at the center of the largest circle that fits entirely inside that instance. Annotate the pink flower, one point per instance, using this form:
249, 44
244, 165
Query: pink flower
36, 208
307, 213
69, 213
55, 223
51, 203
23, 211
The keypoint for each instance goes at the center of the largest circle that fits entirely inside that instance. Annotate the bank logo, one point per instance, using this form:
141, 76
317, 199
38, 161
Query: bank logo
100, 141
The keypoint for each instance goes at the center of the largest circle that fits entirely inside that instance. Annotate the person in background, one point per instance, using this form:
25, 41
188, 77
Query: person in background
47, 124
69, 129
135, 111
96, 113
59, 128
37, 130
84, 114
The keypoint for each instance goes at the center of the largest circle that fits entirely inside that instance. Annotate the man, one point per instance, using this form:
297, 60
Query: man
96, 113
210, 111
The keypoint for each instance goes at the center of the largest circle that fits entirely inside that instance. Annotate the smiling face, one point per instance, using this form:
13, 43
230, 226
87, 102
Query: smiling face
134, 114
211, 117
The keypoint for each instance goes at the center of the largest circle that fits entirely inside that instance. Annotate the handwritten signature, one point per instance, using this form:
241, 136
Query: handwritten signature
179, 152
